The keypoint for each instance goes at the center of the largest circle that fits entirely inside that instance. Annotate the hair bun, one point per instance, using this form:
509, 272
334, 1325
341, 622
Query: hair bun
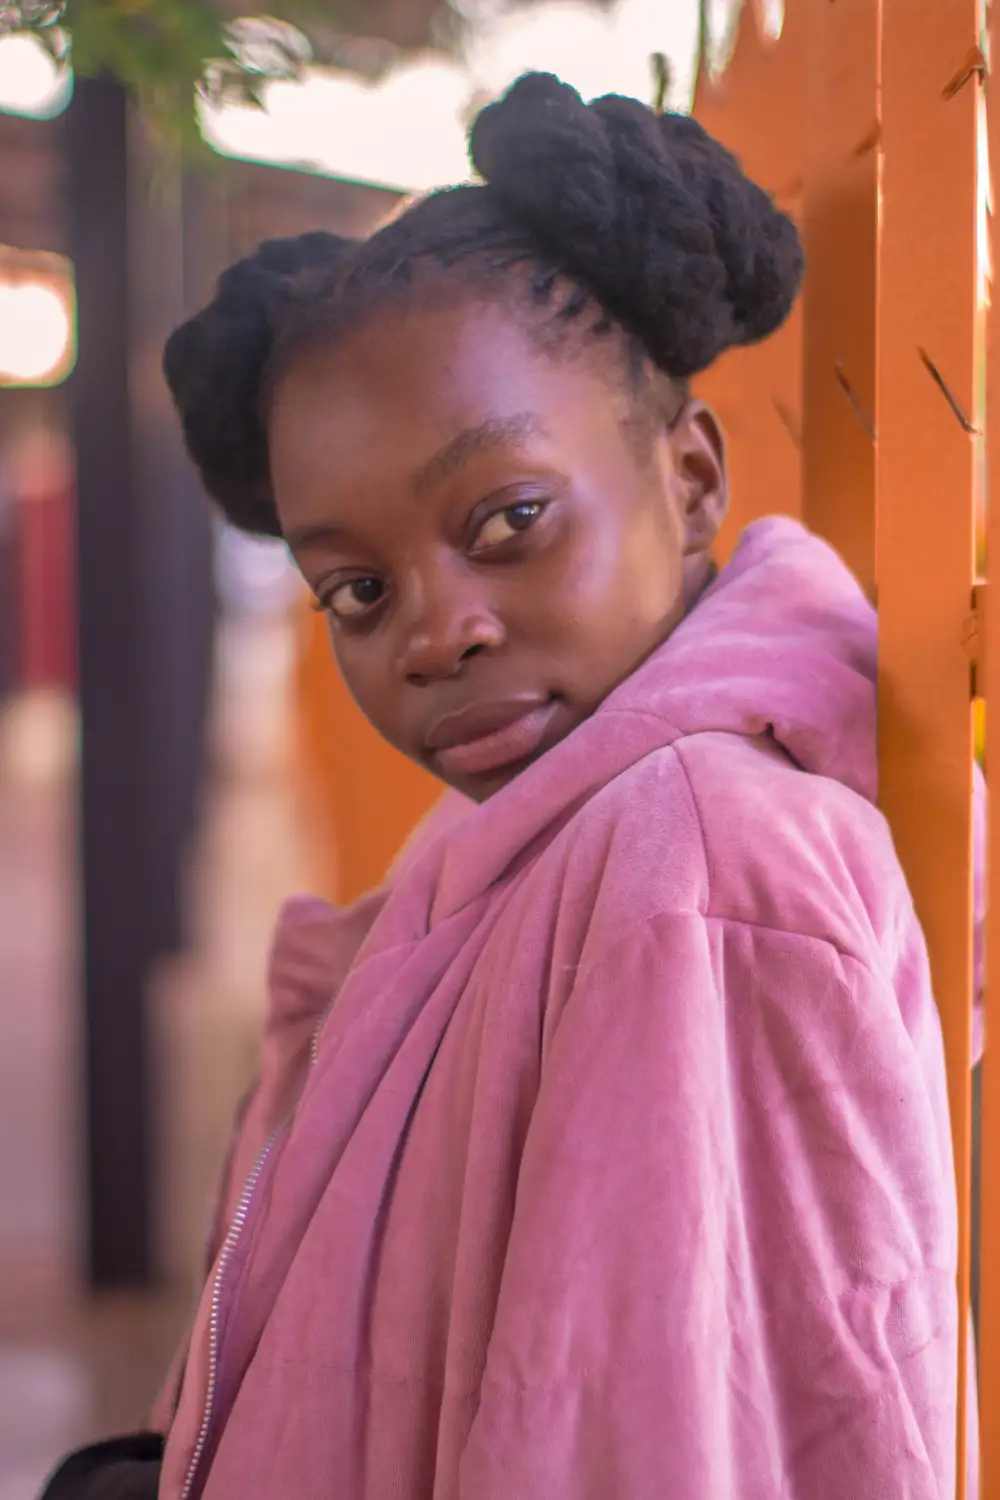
214, 364
649, 211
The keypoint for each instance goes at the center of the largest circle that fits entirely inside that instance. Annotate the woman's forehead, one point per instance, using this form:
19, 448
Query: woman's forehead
434, 385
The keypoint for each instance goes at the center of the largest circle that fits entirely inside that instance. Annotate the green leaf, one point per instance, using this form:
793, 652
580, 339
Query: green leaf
166, 52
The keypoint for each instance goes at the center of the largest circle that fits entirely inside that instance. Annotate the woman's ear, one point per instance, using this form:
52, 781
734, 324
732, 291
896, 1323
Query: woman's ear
698, 452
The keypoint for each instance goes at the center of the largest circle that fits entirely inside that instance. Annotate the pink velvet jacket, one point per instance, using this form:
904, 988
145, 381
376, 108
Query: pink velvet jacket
604, 1154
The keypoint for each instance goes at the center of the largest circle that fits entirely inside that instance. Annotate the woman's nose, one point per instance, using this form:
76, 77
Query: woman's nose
442, 627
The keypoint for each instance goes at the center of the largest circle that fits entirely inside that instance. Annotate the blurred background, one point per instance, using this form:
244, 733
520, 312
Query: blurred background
176, 753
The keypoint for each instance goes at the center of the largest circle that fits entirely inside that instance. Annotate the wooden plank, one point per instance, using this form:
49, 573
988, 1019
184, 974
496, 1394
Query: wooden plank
756, 110
840, 235
929, 333
989, 1228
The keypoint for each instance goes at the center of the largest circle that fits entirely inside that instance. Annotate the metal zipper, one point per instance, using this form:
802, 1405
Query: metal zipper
225, 1256
318, 1032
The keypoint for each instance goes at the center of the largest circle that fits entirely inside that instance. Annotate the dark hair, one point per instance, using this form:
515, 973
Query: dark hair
643, 218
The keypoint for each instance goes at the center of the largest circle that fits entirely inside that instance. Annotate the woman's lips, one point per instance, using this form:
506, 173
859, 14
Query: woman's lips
490, 737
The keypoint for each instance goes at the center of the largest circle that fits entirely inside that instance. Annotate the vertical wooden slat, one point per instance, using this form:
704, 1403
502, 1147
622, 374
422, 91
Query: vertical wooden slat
989, 1244
926, 476
840, 235
756, 110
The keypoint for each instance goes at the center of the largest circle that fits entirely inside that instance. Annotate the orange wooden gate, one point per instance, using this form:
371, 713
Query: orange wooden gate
885, 386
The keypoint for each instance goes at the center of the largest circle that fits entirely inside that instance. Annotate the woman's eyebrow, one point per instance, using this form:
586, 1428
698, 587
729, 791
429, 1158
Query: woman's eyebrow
494, 432
301, 538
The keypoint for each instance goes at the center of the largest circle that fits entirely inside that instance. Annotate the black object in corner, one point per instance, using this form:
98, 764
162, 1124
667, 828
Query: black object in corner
126, 1468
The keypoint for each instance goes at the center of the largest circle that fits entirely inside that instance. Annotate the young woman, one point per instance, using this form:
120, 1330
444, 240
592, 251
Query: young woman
604, 1153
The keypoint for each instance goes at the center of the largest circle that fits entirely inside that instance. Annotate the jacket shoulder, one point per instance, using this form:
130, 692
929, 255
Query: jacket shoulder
730, 828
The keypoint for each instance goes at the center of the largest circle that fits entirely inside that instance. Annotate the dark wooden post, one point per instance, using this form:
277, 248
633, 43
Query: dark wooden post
145, 623
116, 915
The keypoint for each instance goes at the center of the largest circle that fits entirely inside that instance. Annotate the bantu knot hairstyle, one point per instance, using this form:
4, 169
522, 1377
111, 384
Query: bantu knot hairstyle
215, 363
648, 219
649, 212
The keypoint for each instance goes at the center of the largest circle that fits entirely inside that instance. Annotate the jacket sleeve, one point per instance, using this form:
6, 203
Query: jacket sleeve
731, 1267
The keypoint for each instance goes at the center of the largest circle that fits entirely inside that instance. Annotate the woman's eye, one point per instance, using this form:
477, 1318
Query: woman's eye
353, 599
507, 523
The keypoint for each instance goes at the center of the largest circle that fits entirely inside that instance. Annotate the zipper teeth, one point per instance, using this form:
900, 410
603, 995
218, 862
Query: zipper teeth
231, 1241
318, 1032
229, 1245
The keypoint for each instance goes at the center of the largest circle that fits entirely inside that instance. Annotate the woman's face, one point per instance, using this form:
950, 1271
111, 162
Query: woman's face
495, 550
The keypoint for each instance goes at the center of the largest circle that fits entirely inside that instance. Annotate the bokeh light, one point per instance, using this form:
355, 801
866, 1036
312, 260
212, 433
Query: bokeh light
31, 83
37, 320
